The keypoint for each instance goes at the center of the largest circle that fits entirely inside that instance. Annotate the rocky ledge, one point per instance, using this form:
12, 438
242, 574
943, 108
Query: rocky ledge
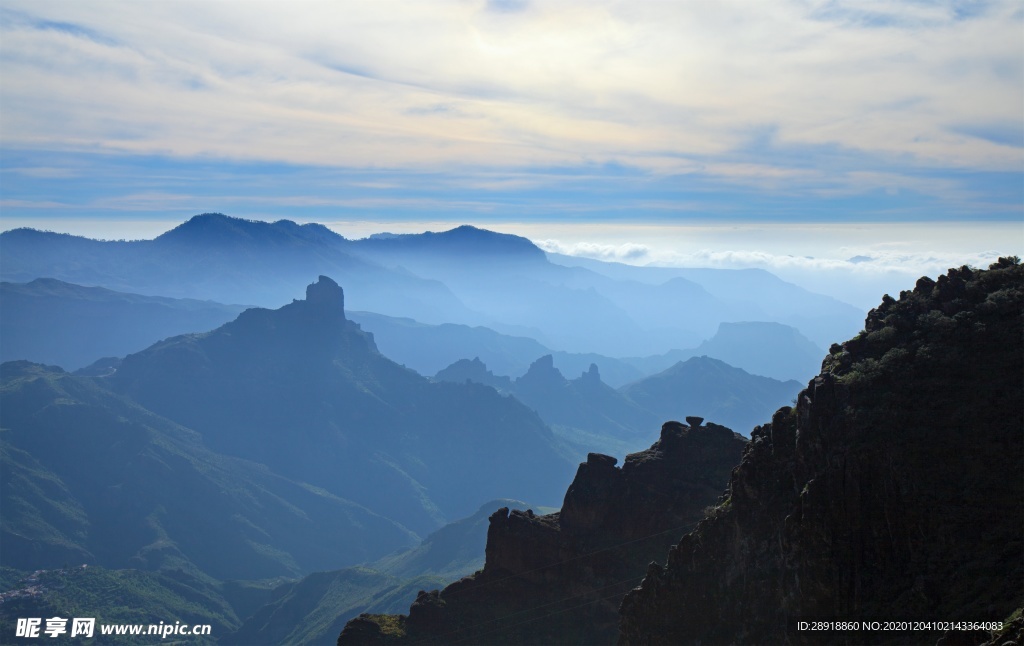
559, 578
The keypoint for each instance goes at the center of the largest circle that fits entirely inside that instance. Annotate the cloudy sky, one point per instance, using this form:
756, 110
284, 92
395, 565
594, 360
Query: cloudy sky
874, 137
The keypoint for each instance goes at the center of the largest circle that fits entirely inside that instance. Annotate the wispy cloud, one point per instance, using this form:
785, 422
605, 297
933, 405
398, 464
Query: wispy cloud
663, 87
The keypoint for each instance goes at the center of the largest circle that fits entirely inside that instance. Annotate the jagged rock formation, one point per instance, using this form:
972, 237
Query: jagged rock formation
585, 413
893, 490
475, 371
304, 391
558, 578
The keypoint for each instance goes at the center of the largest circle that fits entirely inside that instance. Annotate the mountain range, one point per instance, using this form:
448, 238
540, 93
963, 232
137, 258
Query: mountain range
254, 450
890, 492
277, 468
466, 276
587, 413
53, 322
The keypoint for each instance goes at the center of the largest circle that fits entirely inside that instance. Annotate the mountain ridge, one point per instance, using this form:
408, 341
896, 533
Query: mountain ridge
271, 384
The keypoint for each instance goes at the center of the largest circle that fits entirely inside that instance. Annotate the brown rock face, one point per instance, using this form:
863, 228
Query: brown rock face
893, 491
558, 579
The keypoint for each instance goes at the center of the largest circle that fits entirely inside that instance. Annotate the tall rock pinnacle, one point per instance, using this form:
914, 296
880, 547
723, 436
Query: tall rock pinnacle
326, 295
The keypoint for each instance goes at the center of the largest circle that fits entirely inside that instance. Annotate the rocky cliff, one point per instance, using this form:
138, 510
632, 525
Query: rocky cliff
894, 490
559, 578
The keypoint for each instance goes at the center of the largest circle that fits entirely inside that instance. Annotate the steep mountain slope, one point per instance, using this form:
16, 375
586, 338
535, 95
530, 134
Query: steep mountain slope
304, 391
315, 609
89, 477
713, 389
892, 491
113, 597
556, 579
53, 322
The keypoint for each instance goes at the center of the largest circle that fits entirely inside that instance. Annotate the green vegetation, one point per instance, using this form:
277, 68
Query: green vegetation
391, 625
117, 597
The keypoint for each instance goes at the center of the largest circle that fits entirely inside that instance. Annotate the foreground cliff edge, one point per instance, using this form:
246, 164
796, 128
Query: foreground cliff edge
894, 490
559, 578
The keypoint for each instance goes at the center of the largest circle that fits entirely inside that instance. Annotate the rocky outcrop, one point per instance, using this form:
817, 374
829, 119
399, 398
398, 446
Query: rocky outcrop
326, 296
304, 391
465, 370
892, 491
559, 578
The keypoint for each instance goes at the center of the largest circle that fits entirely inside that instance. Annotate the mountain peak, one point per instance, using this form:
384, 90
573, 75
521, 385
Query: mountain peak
327, 295
217, 229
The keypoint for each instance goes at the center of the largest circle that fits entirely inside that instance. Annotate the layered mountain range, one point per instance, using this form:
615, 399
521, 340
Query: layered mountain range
465, 276
891, 491
274, 472
255, 450
586, 412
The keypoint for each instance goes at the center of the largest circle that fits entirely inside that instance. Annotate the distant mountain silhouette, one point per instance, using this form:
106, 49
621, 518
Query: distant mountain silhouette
584, 412
753, 295
305, 391
458, 244
428, 349
761, 348
52, 322
213, 256
466, 275
714, 390
90, 477
476, 371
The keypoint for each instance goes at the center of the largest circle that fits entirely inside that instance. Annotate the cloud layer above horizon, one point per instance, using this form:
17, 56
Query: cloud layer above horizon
877, 109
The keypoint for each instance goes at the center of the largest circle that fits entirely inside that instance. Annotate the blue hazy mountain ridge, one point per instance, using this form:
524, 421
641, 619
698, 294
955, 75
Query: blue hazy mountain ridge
714, 390
428, 349
673, 307
588, 409
585, 413
761, 348
216, 257
53, 322
759, 294
305, 391
91, 477
466, 275
510, 279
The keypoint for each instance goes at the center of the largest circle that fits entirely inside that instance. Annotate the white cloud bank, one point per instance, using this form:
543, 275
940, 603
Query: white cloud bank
854, 263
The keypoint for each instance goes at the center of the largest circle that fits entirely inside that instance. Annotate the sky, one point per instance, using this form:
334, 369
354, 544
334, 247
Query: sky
848, 146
